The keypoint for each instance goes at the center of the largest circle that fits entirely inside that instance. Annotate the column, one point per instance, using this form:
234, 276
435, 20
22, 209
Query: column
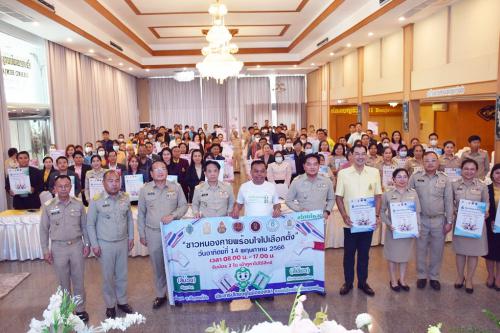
411, 108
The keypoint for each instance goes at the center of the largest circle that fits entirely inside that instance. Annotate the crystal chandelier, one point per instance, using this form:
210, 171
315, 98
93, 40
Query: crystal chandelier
219, 62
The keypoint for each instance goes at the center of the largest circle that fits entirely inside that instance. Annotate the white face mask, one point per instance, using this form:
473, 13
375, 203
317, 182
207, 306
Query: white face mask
120, 140
150, 136
385, 144
101, 153
88, 149
115, 148
433, 142
403, 153
308, 151
257, 139
279, 159
288, 145
303, 141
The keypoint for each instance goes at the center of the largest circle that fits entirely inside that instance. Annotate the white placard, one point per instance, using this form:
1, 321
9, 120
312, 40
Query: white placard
72, 193
277, 147
19, 181
133, 185
453, 174
172, 178
362, 214
404, 219
193, 145
290, 159
387, 171
95, 187
470, 218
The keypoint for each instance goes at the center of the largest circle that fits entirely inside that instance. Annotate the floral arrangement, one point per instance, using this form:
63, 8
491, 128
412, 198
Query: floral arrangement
59, 318
490, 315
298, 322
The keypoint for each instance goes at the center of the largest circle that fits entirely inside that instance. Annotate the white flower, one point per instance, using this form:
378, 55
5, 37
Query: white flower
331, 326
304, 326
434, 329
363, 320
36, 326
76, 322
302, 298
267, 327
122, 323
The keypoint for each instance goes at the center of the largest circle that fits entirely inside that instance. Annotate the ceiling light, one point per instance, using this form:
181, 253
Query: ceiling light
91, 51
402, 18
35, 24
339, 101
219, 62
258, 66
312, 64
294, 65
130, 68
147, 69
121, 64
69, 40
370, 34
184, 68
110, 59
332, 54
348, 45
393, 104
184, 76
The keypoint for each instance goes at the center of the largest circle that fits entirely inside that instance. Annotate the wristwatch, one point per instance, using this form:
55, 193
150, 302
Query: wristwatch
327, 211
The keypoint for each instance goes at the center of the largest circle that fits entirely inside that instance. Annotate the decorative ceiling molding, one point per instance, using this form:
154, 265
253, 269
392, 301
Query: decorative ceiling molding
206, 27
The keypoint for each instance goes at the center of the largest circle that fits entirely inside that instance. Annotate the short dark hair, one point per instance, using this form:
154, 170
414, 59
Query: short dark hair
23, 152
433, 134
474, 138
448, 142
430, 152
78, 153
398, 170
469, 160
11, 152
308, 156
297, 142
402, 146
162, 162
47, 158
210, 162
257, 162
95, 156
105, 132
62, 177
109, 172
360, 146
61, 158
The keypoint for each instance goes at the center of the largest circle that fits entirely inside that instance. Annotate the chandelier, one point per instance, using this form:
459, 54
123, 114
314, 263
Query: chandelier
219, 62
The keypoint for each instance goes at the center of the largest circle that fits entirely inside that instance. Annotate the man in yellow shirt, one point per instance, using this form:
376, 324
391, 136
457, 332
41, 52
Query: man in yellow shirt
357, 182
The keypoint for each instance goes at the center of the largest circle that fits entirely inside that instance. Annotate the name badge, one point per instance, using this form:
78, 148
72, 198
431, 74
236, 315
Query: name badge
105, 205
151, 193
55, 211
204, 194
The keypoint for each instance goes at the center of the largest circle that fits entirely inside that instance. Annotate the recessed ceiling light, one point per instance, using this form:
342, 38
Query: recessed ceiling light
402, 18
258, 66
294, 65
110, 59
35, 24
312, 64
332, 54
130, 68
121, 64
91, 51
184, 68
69, 40
348, 45
370, 34
147, 69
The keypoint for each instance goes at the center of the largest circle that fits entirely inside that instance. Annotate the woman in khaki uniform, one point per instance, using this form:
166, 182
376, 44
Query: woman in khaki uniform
398, 251
373, 158
387, 167
469, 249
416, 163
236, 142
449, 162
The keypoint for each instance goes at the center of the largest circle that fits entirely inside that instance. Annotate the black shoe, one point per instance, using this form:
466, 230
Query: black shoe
497, 288
421, 283
404, 287
397, 288
367, 290
492, 285
346, 288
178, 304
110, 313
125, 308
84, 316
459, 285
469, 290
435, 284
158, 302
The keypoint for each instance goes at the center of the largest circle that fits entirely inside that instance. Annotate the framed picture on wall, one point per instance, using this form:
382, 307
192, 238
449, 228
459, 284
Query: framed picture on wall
406, 116
497, 119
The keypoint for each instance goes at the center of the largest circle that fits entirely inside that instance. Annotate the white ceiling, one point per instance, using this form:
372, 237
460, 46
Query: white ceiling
166, 35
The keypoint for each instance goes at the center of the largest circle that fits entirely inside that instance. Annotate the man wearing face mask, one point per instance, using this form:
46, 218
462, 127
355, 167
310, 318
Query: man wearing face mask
106, 142
433, 144
288, 148
384, 143
88, 150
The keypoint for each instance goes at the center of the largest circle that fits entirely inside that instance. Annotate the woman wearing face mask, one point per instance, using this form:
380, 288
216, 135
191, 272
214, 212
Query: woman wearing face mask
449, 163
194, 174
308, 148
288, 147
373, 157
469, 249
396, 141
97, 172
70, 151
279, 173
398, 251
402, 156
150, 137
101, 152
384, 143
386, 167
416, 163
87, 150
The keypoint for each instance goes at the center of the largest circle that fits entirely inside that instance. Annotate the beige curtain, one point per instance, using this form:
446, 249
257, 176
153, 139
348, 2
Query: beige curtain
214, 103
254, 98
4, 139
291, 100
172, 102
89, 96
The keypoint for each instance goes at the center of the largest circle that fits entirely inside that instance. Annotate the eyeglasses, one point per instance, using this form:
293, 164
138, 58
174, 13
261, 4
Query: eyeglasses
159, 169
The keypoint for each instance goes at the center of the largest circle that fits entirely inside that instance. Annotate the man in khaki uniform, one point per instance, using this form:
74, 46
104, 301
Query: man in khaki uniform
160, 202
64, 222
436, 218
212, 197
111, 232
311, 191
478, 155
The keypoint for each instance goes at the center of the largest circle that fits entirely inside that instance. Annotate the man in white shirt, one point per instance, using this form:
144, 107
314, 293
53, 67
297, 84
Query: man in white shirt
356, 135
258, 196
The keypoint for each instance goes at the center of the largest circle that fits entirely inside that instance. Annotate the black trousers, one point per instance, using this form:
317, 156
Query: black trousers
360, 243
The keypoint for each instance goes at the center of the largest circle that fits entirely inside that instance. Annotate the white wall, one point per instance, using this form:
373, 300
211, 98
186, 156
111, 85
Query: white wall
344, 76
457, 47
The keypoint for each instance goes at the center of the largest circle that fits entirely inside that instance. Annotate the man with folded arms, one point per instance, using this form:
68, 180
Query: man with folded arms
356, 182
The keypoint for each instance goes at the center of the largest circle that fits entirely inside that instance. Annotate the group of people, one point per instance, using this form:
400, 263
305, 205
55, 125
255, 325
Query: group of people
315, 171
